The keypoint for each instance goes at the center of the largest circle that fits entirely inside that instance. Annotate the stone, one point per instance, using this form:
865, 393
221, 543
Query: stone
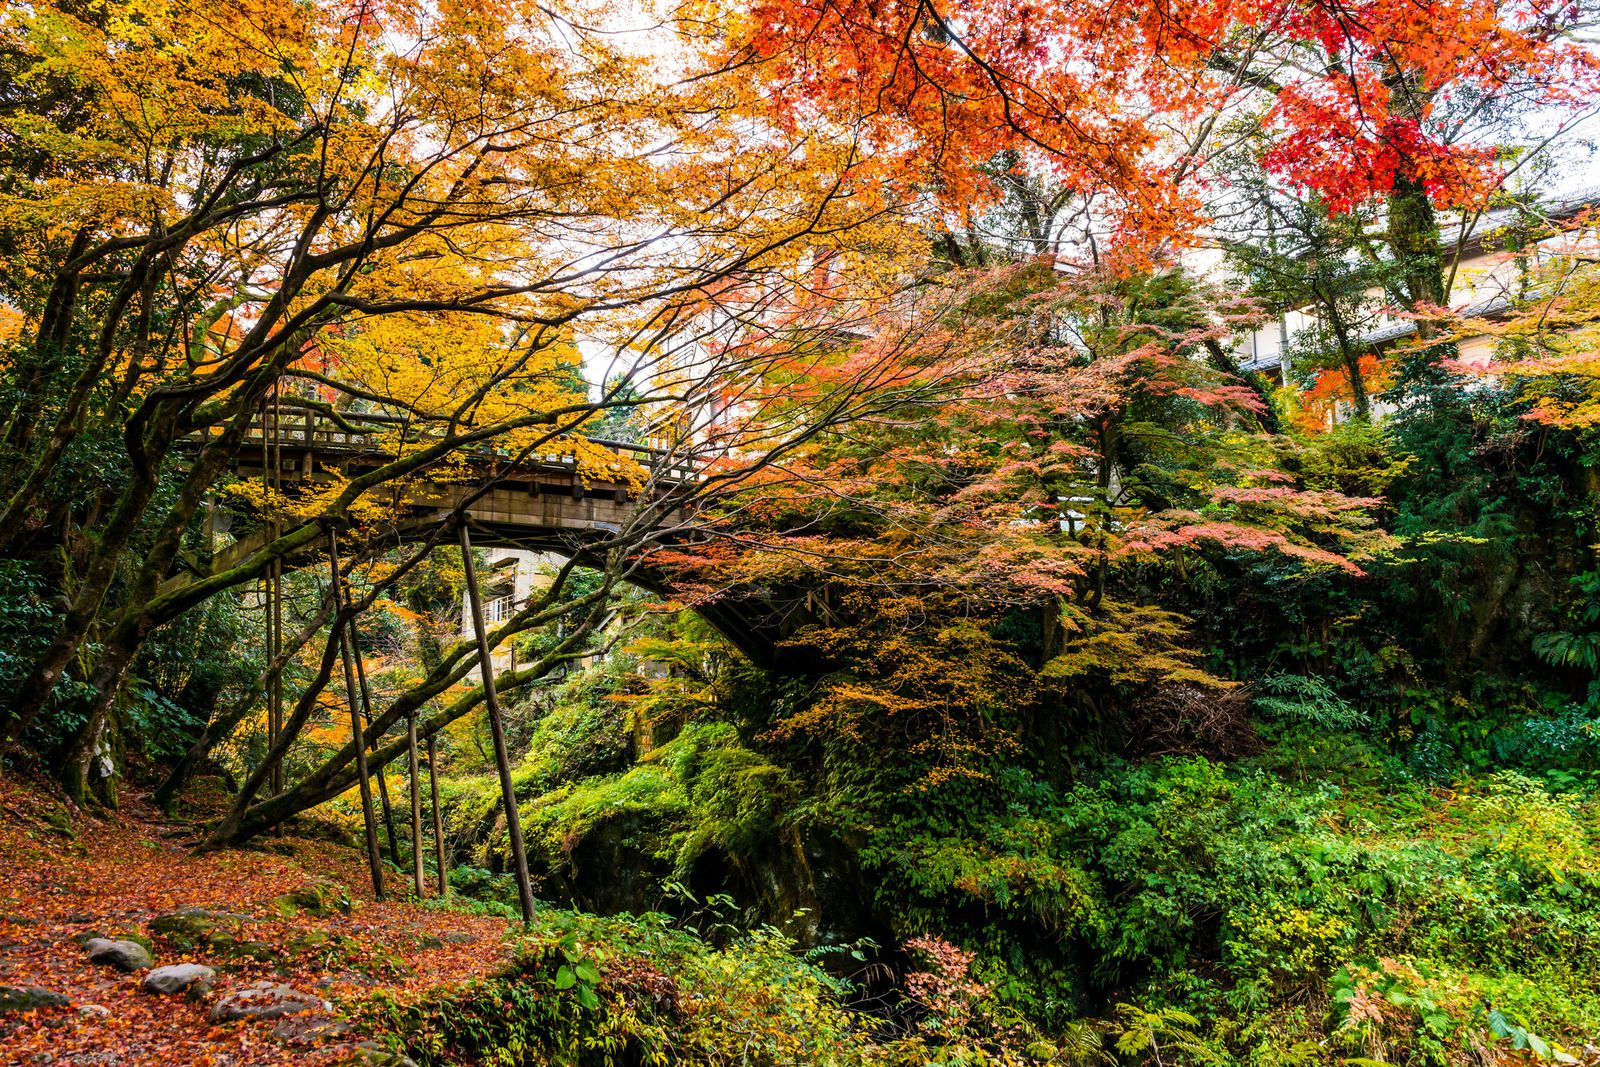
260, 951
459, 937
125, 956
372, 1054
83, 937
310, 1029
196, 927
265, 1000
29, 998
309, 940
192, 978
94, 1011
239, 948
319, 897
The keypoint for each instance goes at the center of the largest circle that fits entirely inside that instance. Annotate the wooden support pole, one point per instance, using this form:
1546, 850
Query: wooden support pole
373, 742
275, 601
502, 759
419, 880
357, 741
274, 652
438, 819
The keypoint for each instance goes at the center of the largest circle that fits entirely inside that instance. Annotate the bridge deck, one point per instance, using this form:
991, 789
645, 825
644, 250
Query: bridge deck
545, 503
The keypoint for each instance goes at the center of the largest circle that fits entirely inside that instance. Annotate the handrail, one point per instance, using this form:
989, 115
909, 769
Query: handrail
306, 426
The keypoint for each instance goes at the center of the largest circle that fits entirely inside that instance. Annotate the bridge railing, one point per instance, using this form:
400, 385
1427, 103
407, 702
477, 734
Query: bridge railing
296, 428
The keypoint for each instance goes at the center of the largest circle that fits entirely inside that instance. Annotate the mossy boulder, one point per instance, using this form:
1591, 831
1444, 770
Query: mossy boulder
29, 998
321, 898
309, 941
198, 928
370, 1054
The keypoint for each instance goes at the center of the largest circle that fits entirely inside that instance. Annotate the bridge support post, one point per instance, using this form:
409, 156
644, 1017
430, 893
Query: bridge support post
419, 880
275, 600
274, 652
372, 742
438, 820
357, 740
502, 759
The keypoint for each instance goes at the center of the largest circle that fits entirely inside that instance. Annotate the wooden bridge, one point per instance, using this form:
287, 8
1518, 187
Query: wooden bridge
544, 494
545, 502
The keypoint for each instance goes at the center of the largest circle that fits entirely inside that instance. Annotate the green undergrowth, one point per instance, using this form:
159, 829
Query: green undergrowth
699, 791
1316, 902
1250, 901
588, 991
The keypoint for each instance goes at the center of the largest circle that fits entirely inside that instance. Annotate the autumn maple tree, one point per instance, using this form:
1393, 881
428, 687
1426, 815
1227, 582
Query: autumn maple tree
1053, 439
1130, 108
399, 208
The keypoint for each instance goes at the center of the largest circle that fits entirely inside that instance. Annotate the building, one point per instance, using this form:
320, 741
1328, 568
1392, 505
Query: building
511, 579
1486, 283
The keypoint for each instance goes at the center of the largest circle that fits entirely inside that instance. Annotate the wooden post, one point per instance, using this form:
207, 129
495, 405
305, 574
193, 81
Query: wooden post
438, 819
491, 702
417, 876
272, 449
274, 651
366, 717
342, 598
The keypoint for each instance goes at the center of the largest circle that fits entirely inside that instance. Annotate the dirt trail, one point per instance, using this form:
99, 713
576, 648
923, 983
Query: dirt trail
113, 875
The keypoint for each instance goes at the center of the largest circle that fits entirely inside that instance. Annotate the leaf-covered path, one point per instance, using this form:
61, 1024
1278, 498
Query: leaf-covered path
116, 878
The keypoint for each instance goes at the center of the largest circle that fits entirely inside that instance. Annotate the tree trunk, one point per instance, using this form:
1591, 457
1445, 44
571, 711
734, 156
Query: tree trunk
1350, 356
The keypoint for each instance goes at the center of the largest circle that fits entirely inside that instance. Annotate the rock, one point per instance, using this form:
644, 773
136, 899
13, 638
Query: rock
459, 937
83, 937
123, 955
309, 940
29, 998
239, 948
196, 928
310, 1029
191, 928
255, 950
94, 1011
315, 898
191, 978
372, 1054
61, 823
265, 1000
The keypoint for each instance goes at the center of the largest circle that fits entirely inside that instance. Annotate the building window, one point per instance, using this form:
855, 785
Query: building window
500, 608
